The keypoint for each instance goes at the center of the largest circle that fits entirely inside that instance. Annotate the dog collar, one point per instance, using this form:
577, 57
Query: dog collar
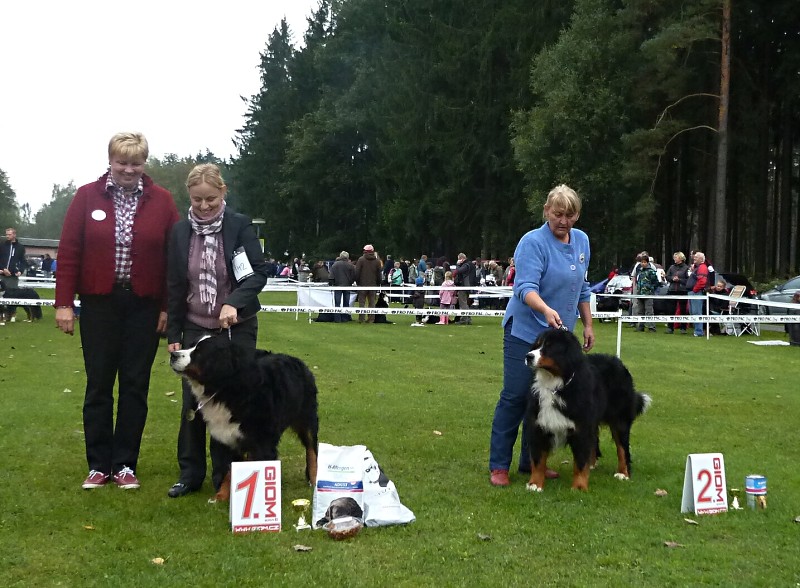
202, 404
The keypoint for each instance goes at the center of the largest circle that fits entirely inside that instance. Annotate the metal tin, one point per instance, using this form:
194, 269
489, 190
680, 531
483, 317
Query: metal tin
755, 486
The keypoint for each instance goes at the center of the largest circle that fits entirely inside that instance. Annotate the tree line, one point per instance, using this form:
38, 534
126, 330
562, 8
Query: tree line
439, 127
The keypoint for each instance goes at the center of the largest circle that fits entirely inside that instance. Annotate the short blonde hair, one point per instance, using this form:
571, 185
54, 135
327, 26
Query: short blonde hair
562, 197
680, 255
448, 275
130, 145
205, 173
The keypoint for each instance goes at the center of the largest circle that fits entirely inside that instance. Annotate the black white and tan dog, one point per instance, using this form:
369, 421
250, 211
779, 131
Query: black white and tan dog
249, 397
33, 312
572, 394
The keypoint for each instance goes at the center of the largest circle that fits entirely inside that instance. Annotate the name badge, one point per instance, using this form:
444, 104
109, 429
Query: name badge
241, 265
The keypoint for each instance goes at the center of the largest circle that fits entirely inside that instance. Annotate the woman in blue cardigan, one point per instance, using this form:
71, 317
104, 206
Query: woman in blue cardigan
550, 290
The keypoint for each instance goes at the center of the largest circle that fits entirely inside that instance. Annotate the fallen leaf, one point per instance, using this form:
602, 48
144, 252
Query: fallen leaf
691, 521
89, 527
660, 492
159, 561
565, 462
302, 548
484, 537
173, 400
672, 544
170, 393
797, 519
67, 391
437, 432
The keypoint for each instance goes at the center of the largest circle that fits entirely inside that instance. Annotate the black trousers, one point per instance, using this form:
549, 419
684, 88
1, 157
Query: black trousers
119, 338
192, 432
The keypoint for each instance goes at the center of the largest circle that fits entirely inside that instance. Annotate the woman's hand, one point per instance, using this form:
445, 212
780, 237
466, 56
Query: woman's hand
65, 320
173, 347
162, 323
228, 316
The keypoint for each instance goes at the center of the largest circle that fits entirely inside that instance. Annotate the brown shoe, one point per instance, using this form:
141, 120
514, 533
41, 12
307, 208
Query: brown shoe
499, 478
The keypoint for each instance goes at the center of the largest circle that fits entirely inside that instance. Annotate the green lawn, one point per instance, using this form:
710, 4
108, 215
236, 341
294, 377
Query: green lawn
390, 387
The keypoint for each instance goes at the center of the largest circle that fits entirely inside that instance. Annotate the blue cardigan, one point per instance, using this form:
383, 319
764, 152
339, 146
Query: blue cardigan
557, 271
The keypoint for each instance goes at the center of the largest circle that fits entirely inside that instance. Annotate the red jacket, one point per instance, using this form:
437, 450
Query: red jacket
86, 250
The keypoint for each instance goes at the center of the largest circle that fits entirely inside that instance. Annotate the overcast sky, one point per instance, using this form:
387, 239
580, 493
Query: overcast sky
73, 73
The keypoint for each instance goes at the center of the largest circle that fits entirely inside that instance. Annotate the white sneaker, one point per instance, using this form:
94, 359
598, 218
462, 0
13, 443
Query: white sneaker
13, 319
417, 325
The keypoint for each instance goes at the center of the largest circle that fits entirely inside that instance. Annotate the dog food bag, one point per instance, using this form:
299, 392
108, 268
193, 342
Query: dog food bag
339, 490
382, 504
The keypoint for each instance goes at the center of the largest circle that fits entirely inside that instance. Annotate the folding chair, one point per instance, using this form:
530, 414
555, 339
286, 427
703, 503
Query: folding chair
748, 324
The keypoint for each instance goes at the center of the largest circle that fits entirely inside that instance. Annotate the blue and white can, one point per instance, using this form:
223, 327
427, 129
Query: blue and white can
755, 486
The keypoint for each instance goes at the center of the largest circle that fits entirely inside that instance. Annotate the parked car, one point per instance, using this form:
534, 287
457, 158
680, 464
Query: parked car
782, 294
619, 284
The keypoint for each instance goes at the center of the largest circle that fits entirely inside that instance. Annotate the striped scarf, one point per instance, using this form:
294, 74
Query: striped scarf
210, 229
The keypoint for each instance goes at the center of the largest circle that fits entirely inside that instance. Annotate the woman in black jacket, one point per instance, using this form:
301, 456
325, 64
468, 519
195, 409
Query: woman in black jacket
677, 274
215, 271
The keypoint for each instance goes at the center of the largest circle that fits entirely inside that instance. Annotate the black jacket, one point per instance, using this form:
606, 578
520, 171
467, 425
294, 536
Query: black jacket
237, 231
12, 257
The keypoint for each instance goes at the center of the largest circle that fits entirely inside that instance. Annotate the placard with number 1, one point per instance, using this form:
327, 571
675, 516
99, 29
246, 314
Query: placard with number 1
255, 503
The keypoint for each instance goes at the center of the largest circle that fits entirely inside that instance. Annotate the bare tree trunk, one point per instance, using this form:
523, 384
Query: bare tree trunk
720, 209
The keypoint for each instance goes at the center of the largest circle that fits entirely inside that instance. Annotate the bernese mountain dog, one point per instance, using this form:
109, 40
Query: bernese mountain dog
249, 397
572, 394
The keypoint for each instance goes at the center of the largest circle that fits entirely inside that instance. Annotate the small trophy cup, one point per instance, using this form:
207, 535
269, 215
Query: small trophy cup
300, 505
735, 501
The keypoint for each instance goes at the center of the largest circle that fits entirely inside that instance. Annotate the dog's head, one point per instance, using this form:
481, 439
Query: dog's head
214, 360
555, 353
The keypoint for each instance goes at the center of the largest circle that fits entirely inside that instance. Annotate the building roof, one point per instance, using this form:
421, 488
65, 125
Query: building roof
31, 242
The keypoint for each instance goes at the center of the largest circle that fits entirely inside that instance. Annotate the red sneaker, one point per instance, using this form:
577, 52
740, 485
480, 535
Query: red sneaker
95, 480
126, 479
499, 478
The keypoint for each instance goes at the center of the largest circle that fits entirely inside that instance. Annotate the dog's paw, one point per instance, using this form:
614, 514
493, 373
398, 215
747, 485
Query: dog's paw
619, 476
533, 488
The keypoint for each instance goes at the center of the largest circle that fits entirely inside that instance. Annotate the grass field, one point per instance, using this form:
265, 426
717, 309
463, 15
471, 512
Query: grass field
390, 387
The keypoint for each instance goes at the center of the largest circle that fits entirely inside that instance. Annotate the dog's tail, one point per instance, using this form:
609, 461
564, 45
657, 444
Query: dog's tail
643, 402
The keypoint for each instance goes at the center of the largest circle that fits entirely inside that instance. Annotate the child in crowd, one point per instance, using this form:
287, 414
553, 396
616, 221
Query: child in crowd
447, 296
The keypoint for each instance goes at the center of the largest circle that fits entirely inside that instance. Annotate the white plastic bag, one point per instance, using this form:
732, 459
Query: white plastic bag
350, 483
382, 504
340, 480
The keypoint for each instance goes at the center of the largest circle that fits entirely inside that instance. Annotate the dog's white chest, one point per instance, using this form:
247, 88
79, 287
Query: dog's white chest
550, 418
218, 419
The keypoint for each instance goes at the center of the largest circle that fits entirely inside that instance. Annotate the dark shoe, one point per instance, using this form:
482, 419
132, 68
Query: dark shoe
499, 478
640, 329
669, 331
180, 489
652, 329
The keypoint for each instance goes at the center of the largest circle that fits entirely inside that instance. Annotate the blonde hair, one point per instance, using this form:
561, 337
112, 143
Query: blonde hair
680, 255
562, 197
205, 173
129, 145
448, 275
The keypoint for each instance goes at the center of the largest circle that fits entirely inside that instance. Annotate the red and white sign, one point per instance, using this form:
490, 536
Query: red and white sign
255, 496
704, 489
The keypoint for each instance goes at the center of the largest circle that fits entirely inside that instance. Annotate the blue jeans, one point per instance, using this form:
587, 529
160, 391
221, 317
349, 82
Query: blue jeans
511, 407
696, 307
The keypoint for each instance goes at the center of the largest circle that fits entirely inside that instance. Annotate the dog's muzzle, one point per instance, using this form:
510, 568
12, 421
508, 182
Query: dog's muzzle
178, 360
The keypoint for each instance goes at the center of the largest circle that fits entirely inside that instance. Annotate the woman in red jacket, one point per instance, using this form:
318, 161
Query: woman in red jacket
112, 254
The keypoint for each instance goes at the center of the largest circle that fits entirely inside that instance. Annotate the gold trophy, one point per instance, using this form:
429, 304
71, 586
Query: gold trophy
300, 505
